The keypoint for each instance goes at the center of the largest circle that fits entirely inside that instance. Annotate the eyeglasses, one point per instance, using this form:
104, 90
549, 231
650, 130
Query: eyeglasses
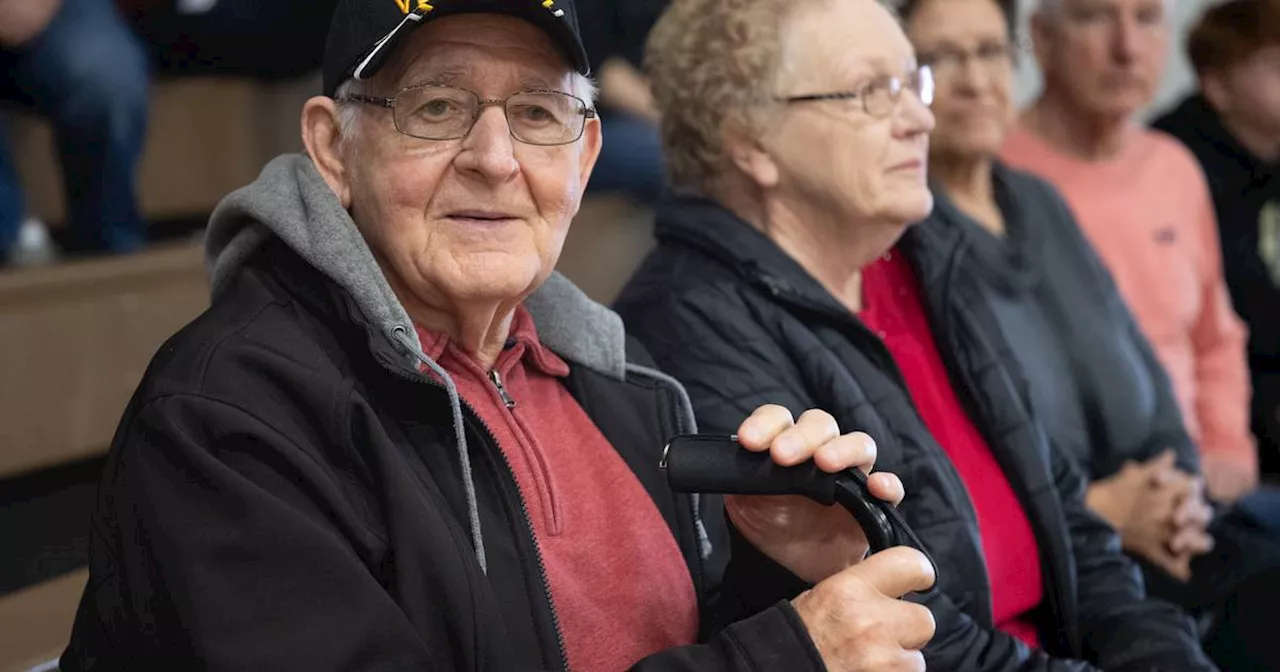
535, 117
880, 96
946, 62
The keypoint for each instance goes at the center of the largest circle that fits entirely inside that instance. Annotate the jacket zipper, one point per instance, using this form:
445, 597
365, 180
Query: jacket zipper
537, 553
524, 510
502, 390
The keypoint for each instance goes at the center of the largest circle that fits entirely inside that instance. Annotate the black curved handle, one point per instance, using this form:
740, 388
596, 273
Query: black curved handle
720, 465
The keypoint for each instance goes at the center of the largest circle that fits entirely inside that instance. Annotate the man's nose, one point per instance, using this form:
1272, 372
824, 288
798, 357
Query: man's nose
489, 149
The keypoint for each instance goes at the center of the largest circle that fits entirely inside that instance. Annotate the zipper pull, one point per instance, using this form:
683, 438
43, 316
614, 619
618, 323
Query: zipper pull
502, 390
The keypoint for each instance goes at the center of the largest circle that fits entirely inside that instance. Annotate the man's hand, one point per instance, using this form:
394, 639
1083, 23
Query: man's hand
856, 621
1227, 480
811, 540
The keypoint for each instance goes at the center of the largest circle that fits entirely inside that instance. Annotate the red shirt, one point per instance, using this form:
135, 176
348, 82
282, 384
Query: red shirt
618, 580
892, 307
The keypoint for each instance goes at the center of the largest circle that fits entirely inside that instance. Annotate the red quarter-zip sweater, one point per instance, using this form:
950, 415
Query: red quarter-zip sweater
618, 582
892, 306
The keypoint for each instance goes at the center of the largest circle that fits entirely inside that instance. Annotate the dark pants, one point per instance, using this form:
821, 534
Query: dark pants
1236, 589
1261, 509
88, 75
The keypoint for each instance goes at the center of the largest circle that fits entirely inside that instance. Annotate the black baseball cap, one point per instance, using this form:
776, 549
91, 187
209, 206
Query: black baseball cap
363, 33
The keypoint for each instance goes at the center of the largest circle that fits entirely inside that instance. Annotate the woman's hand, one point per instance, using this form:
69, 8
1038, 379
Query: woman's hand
1158, 511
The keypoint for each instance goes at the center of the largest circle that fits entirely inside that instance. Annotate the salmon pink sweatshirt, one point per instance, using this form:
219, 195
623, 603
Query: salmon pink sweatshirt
1149, 214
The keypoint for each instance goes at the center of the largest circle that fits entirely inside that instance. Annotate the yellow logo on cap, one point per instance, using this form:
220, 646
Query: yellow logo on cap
424, 6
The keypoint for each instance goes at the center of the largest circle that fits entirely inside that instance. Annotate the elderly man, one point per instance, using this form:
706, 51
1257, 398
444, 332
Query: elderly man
398, 441
1142, 201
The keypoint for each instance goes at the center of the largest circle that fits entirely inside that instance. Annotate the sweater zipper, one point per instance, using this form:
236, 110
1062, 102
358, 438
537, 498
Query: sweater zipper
524, 510
502, 390
539, 468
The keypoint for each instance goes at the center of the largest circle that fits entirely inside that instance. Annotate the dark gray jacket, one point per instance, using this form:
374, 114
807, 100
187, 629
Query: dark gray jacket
1093, 379
740, 323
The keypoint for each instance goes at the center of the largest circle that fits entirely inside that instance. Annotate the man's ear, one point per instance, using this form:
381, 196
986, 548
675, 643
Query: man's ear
592, 141
322, 137
751, 157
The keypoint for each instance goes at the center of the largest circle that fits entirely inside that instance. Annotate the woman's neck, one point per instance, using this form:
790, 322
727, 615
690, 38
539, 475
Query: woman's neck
969, 185
834, 252
1074, 131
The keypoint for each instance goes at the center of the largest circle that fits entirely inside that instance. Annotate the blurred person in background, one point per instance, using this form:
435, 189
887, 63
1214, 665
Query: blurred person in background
1232, 125
631, 157
1142, 201
76, 63
397, 440
797, 137
274, 40
1102, 395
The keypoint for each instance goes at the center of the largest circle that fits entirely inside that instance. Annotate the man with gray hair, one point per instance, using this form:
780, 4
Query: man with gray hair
398, 441
1143, 202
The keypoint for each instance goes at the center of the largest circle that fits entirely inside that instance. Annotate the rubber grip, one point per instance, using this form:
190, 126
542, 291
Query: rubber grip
720, 465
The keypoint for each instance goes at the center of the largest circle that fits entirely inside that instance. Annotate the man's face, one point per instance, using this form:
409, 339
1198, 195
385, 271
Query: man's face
1249, 91
1106, 56
480, 219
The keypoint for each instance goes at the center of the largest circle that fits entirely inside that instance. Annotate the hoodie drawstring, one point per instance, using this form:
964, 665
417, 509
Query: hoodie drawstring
460, 436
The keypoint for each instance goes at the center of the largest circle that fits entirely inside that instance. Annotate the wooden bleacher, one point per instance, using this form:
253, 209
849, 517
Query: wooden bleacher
74, 341
36, 621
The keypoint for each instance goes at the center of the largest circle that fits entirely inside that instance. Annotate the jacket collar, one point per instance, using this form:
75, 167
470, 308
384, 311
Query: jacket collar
712, 229
949, 230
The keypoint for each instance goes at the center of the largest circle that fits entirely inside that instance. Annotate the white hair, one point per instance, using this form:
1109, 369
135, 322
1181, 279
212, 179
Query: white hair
580, 86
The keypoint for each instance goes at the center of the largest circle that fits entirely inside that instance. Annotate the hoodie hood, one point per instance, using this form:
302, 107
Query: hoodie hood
291, 202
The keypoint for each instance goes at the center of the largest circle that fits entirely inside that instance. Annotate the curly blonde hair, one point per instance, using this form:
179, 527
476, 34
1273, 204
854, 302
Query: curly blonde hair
715, 64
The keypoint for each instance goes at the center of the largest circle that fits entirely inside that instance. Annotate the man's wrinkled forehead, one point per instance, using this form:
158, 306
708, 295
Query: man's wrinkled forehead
1053, 8
457, 50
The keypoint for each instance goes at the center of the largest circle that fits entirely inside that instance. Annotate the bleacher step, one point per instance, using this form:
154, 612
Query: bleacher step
75, 339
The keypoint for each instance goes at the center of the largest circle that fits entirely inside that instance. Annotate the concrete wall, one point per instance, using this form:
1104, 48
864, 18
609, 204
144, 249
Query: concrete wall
1178, 78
